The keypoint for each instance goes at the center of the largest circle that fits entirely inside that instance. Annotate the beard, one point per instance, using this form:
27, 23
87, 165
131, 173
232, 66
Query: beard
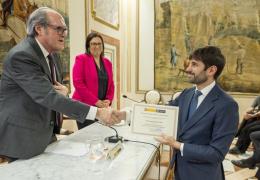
198, 79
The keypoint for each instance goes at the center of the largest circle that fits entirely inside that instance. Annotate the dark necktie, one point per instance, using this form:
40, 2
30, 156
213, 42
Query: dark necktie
194, 103
52, 68
58, 116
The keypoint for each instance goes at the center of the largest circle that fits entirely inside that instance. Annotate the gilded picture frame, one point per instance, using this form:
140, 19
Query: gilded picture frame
106, 12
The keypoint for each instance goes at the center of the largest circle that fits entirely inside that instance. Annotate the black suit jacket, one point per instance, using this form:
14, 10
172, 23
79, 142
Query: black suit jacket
27, 100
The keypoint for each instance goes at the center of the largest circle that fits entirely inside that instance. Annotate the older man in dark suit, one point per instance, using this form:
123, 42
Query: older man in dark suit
208, 120
31, 94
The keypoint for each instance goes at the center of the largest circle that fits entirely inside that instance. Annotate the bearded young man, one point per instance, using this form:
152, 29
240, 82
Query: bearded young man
208, 120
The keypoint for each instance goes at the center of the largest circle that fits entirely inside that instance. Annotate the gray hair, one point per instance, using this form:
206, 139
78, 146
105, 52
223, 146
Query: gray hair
38, 17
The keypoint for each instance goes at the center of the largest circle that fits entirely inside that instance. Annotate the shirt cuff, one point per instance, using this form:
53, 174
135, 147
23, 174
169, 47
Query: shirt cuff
92, 113
181, 148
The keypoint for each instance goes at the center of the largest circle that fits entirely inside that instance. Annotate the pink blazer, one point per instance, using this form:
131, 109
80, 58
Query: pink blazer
85, 79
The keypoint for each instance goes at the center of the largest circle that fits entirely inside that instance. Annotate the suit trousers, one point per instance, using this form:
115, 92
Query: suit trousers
255, 137
248, 126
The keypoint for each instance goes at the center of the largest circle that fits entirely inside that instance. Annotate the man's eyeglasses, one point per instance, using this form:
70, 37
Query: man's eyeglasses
95, 44
59, 29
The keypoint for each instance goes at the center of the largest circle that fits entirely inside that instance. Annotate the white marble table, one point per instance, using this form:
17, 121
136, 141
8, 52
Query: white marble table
132, 163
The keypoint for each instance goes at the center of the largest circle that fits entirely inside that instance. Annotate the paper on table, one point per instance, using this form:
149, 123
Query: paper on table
68, 148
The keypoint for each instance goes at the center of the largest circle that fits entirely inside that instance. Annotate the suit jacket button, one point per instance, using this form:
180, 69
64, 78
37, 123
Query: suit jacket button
52, 123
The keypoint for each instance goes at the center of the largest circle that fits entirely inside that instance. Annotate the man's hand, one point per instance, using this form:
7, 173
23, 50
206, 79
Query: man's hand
103, 115
121, 115
107, 116
248, 116
257, 114
118, 115
61, 89
168, 140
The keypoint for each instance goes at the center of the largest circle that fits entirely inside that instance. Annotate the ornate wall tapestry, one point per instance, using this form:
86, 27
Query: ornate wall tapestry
181, 26
13, 16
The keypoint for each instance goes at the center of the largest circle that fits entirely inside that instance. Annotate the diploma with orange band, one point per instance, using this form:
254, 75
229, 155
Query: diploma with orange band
154, 119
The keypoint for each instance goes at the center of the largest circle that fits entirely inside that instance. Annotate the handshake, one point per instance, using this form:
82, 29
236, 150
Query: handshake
109, 116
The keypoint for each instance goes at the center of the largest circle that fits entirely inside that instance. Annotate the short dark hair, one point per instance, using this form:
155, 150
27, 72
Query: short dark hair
89, 38
210, 56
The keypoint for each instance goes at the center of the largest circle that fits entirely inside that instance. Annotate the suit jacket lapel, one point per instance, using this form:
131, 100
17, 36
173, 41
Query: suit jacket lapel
206, 105
185, 110
40, 55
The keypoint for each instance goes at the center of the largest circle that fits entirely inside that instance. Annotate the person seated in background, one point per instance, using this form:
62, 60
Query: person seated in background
253, 160
93, 76
249, 124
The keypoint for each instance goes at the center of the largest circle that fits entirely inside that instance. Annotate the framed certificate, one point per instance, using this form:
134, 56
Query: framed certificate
155, 119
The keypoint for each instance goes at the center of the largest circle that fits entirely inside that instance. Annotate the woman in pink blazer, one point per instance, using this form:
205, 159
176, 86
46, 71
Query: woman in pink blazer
93, 76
